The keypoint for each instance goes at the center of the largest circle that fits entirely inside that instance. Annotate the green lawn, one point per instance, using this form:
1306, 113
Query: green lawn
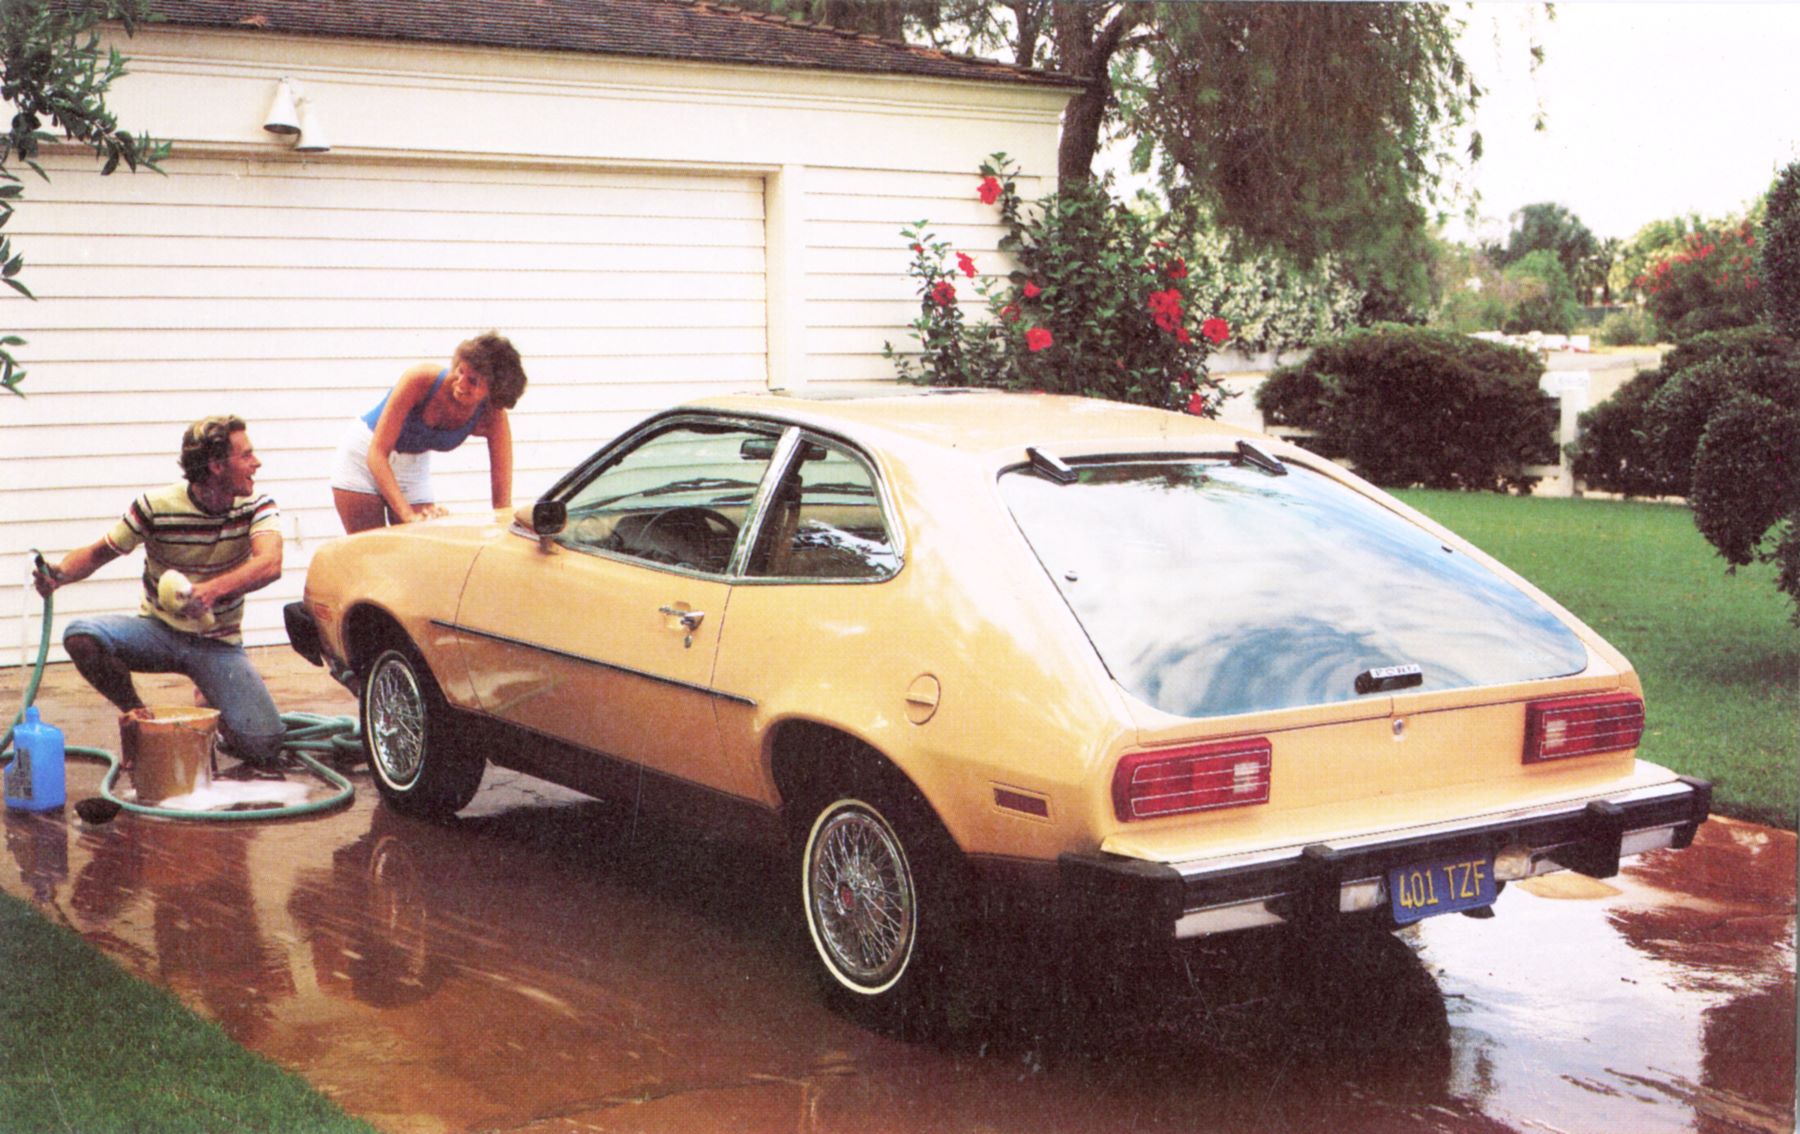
1718, 657
84, 1046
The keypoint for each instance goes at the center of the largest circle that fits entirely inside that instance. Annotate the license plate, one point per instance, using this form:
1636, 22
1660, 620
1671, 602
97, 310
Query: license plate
1441, 886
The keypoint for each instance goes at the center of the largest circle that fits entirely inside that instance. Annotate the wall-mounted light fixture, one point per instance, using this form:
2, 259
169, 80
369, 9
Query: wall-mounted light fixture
281, 118
291, 115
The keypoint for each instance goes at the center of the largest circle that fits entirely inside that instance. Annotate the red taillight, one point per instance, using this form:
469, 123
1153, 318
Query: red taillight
1228, 773
1582, 726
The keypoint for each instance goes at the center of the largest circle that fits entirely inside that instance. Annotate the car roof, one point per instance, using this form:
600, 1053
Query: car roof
992, 423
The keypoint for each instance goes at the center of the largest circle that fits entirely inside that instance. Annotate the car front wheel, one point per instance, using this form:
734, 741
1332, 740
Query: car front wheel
421, 766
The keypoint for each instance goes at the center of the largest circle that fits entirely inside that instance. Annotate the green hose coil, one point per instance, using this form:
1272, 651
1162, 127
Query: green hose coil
306, 733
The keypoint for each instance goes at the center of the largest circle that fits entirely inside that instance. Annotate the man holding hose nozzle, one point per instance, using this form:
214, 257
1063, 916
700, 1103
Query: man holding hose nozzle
208, 541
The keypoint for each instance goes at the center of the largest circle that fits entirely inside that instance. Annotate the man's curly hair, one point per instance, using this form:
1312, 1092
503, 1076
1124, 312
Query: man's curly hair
206, 441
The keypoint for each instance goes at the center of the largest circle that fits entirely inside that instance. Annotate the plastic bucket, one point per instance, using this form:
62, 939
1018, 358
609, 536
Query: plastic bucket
169, 750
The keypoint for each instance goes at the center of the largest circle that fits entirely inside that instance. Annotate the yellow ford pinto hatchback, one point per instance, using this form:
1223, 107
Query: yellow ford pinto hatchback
1127, 666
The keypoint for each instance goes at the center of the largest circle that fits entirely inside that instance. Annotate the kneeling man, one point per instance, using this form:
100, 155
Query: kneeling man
225, 540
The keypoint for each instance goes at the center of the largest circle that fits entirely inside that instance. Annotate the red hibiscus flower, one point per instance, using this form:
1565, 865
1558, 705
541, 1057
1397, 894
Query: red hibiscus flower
918, 248
1182, 336
967, 265
1197, 404
944, 294
1010, 313
1216, 330
1032, 291
1178, 270
1037, 339
1166, 307
988, 190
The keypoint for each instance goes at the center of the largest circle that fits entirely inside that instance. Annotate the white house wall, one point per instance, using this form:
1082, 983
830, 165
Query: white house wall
644, 231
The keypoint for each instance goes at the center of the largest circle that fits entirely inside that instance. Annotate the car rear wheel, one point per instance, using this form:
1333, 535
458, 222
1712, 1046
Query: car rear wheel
877, 887
420, 763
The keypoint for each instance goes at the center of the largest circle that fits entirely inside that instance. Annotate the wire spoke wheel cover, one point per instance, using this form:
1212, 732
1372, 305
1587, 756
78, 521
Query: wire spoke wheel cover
861, 905
396, 721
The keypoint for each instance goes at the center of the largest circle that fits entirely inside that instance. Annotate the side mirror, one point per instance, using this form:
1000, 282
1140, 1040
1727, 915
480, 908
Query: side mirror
544, 519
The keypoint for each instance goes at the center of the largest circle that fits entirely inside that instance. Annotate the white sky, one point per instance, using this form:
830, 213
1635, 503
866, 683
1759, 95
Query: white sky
1653, 109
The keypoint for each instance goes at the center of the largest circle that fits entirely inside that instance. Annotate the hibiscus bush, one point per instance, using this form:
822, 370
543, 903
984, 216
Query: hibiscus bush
1095, 302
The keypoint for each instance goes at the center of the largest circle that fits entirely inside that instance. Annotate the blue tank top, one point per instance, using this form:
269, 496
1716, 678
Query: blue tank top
415, 435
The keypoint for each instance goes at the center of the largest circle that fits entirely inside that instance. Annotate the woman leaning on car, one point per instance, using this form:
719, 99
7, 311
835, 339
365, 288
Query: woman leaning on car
382, 471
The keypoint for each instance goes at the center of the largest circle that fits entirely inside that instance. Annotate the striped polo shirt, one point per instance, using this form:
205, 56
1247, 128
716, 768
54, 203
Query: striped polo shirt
176, 533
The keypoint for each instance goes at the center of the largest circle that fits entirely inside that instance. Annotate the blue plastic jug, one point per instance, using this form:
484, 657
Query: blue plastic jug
34, 779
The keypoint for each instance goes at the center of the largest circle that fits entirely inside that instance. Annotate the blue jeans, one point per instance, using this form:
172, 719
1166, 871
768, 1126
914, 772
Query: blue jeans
221, 671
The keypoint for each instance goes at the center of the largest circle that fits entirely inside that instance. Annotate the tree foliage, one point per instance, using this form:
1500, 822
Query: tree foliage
1542, 297
54, 74
1307, 129
1550, 227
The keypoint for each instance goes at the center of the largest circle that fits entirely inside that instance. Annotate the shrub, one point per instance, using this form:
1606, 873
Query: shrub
1746, 474
1411, 406
1781, 253
1631, 327
1612, 452
1704, 374
1098, 304
1708, 284
1725, 425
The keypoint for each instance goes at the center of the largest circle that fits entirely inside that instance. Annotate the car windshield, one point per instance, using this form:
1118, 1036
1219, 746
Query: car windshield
1211, 588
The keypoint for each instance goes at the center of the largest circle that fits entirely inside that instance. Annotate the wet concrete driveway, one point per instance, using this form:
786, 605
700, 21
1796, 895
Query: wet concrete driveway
548, 964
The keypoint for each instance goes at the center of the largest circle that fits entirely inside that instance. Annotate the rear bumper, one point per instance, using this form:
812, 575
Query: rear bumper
1327, 879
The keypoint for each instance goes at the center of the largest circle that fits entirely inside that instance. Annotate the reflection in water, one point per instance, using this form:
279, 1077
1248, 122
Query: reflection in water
368, 924
626, 970
207, 942
39, 843
548, 963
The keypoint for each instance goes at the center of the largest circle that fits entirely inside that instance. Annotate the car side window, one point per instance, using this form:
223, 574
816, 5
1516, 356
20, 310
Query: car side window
825, 521
678, 497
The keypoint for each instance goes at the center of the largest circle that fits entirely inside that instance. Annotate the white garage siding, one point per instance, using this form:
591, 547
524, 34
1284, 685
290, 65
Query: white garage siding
645, 230
858, 294
293, 293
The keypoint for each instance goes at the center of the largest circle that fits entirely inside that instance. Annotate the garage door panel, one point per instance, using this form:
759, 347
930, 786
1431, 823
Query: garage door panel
200, 251
293, 292
332, 314
102, 219
426, 341
516, 282
376, 189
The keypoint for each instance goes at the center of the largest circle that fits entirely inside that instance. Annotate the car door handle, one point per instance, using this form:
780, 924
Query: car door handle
690, 619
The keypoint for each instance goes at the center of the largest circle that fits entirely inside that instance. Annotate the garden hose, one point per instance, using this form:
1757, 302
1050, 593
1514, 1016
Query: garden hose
306, 733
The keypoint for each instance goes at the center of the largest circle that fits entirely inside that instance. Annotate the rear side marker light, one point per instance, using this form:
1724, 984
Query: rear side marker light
1229, 773
1582, 726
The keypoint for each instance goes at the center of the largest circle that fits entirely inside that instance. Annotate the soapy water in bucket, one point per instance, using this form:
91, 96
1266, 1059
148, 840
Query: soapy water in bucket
169, 749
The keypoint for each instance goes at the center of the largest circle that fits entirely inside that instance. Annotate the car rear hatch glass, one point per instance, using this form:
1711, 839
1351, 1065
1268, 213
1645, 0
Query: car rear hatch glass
1213, 588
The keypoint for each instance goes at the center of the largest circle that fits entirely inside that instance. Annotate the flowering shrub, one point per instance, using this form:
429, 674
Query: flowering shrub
1096, 303
1708, 283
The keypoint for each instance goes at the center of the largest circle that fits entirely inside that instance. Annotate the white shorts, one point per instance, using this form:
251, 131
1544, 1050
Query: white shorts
350, 467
